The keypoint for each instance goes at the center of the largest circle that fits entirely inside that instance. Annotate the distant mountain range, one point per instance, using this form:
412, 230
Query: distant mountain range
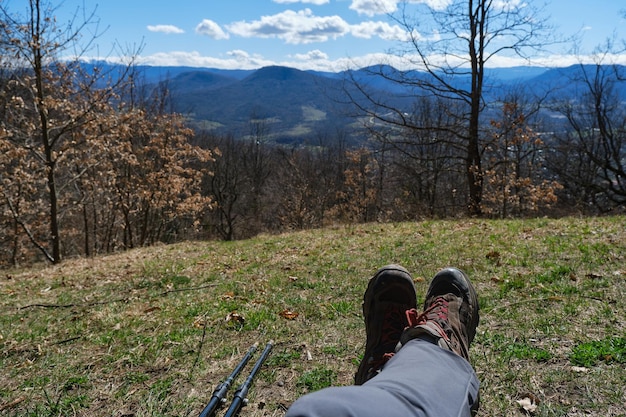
300, 105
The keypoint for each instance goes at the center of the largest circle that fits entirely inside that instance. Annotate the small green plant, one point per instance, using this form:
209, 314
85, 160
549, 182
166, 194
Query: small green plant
510, 348
334, 350
525, 351
316, 379
343, 306
161, 388
176, 281
555, 274
282, 359
512, 284
75, 382
608, 350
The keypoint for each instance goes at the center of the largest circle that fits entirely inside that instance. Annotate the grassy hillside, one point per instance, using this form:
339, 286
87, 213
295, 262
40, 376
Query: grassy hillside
151, 332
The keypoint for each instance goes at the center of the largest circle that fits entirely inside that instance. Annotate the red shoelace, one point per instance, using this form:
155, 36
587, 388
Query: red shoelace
437, 313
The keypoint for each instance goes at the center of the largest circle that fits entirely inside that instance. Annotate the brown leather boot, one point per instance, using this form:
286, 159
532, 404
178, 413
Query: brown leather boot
450, 315
390, 293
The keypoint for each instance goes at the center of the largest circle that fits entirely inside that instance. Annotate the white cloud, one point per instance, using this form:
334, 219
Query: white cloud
376, 7
234, 60
318, 61
508, 5
315, 55
304, 27
211, 29
382, 30
435, 4
167, 29
315, 2
293, 27
238, 54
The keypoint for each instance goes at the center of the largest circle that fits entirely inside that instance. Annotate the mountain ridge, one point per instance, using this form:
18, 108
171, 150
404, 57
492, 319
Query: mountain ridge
298, 105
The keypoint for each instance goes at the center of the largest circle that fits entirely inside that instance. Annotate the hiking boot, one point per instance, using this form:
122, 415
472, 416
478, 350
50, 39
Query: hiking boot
390, 293
450, 315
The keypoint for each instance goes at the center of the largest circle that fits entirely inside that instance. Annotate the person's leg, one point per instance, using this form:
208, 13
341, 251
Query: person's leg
430, 375
421, 380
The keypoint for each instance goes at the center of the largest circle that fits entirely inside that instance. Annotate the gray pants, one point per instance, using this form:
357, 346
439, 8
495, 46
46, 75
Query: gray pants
420, 380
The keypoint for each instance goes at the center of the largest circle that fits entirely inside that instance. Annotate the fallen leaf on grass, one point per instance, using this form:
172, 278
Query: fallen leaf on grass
199, 322
228, 296
233, 316
529, 403
288, 314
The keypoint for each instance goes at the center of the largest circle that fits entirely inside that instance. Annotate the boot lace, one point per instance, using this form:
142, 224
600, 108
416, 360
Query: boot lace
436, 313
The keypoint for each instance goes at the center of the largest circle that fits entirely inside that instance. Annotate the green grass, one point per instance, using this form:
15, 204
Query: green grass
609, 350
151, 332
316, 379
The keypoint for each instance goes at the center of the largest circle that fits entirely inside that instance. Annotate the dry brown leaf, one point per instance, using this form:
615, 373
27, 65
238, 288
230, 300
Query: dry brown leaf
288, 314
529, 403
233, 316
228, 296
199, 322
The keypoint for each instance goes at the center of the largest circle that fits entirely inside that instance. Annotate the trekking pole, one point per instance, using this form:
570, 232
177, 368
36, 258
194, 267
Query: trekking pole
219, 395
240, 397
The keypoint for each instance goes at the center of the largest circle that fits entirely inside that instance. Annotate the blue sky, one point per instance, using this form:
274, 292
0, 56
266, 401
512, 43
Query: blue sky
305, 34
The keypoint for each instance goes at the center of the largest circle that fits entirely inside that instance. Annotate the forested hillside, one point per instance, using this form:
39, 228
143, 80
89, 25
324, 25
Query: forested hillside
102, 158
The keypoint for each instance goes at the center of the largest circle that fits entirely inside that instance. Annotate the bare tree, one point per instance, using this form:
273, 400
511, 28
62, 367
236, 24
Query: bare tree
256, 155
448, 51
429, 161
306, 181
594, 146
227, 186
